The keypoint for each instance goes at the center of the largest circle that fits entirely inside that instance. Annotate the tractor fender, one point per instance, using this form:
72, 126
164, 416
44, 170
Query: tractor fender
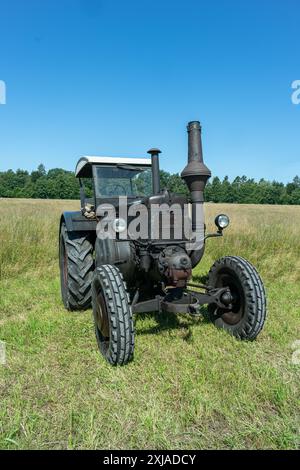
117, 252
76, 222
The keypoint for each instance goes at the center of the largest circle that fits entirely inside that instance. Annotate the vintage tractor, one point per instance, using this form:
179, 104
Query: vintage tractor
125, 252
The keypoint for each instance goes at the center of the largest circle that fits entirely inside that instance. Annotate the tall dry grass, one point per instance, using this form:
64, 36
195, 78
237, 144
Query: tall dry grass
29, 234
267, 235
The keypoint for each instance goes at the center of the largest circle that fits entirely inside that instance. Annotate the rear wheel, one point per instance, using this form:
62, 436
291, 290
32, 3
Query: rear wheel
76, 269
248, 313
112, 315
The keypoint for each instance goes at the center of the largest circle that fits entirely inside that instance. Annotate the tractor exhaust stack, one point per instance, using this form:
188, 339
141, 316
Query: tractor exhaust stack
195, 174
155, 170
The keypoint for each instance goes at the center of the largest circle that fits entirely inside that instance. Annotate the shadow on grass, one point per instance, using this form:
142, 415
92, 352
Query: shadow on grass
169, 321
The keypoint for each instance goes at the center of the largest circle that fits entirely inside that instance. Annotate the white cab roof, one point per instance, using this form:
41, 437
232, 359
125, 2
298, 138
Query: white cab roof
83, 166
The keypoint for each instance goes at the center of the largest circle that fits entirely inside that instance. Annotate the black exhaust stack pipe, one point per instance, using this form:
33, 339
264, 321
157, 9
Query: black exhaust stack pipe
155, 170
195, 174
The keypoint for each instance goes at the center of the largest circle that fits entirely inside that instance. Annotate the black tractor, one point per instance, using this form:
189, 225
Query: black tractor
132, 247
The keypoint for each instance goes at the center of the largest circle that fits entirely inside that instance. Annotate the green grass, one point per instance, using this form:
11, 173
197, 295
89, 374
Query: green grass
189, 386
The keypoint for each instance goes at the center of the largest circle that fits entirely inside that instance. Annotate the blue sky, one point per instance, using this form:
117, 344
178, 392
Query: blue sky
118, 77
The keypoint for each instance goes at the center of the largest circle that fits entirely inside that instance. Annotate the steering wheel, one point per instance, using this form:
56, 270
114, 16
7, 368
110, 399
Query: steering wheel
117, 190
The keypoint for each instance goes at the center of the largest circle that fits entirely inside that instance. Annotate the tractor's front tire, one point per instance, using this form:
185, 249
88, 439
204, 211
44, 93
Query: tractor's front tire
246, 318
76, 269
112, 315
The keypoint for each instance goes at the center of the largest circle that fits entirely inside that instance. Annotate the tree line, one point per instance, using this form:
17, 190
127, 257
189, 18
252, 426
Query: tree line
62, 184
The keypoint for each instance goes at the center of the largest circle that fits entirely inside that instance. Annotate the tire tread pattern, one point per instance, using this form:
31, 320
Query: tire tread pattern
121, 345
256, 308
80, 270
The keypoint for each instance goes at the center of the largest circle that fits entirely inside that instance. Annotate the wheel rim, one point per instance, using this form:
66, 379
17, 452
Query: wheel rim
236, 313
101, 317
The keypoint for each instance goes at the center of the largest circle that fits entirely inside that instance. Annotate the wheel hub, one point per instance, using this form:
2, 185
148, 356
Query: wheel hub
233, 298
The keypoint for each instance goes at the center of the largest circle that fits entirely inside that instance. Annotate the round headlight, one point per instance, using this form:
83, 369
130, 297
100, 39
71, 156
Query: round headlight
119, 225
222, 221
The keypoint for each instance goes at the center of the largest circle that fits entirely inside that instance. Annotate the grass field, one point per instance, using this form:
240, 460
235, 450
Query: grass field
189, 386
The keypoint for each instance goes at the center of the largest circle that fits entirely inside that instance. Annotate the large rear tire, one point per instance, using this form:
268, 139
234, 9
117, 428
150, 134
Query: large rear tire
76, 269
112, 315
247, 316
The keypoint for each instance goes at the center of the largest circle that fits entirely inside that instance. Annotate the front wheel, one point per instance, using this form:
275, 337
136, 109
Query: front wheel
112, 315
246, 317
